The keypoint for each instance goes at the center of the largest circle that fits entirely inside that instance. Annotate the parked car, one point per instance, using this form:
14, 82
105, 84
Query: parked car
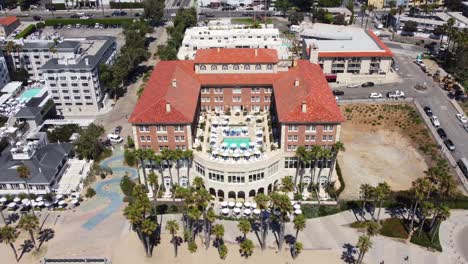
115, 138
353, 85
441, 133
74, 16
337, 92
435, 121
462, 118
449, 144
420, 63
37, 18
368, 84
396, 94
407, 34
465, 127
118, 129
375, 95
428, 111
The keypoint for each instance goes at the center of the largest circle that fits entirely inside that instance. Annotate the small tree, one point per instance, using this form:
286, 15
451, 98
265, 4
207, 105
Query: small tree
246, 248
127, 185
9, 236
173, 228
410, 26
90, 192
29, 223
244, 226
364, 244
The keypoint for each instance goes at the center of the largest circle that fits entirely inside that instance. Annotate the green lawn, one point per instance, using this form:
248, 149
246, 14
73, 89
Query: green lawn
393, 227
249, 21
359, 225
425, 239
314, 211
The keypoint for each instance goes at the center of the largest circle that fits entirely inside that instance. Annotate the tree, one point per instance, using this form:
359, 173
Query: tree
9, 236
283, 6
299, 224
127, 185
419, 190
287, 184
62, 133
364, 244
262, 201
427, 209
301, 156
210, 218
178, 156
246, 247
298, 247
363, 13
198, 183
148, 226
168, 157
140, 154
296, 18
88, 144
173, 228
29, 223
336, 148
154, 10
350, 6
218, 231
410, 26
244, 226
366, 191
282, 204
382, 191
24, 174
372, 228
188, 157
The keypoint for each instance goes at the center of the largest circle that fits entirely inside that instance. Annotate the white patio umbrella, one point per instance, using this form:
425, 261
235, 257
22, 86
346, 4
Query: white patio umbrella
12, 205
297, 206
224, 144
254, 205
259, 133
62, 203
40, 203
26, 203
257, 152
215, 122
256, 211
25, 200
39, 198
243, 145
247, 211
59, 196
245, 128
224, 203
17, 200
247, 204
236, 210
236, 155
3, 200
239, 205
74, 201
231, 204
225, 211
251, 144
215, 152
233, 145
226, 122
298, 211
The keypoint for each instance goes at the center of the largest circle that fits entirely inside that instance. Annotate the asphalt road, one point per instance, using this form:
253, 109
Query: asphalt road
434, 97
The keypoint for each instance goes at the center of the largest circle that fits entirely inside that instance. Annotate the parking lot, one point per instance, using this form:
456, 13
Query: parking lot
83, 32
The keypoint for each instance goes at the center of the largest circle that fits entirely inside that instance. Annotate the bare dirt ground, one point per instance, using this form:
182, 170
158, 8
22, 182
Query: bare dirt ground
383, 143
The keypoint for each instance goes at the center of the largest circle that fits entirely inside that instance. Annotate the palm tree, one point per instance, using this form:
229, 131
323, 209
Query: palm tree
178, 156
427, 209
325, 155
244, 226
314, 155
24, 174
382, 191
9, 236
30, 224
140, 154
173, 228
159, 161
299, 224
372, 228
366, 192
218, 231
443, 212
282, 204
210, 219
371, 9
392, 11
246, 248
301, 154
262, 201
363, 13
148, 226
149, 155
420, 189
188, 156
154, 185
168, 157
364, 244
198, 183
336, 148
287, 184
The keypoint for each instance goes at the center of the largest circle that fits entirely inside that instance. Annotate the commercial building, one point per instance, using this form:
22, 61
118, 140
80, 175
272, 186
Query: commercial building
427, 23
223, 34
4, 76
345, 12
347, 54
243, 118
8, 24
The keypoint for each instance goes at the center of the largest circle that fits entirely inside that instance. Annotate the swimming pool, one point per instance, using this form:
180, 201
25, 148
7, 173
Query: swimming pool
28, 94
237, 141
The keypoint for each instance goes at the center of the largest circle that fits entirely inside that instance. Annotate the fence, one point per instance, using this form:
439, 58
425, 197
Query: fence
76, 260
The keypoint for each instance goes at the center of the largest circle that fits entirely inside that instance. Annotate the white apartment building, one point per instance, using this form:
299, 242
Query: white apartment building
73, 82
226, 35
4, 77
347, 54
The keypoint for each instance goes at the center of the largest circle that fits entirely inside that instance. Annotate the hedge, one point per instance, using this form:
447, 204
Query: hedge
57, 6
340, 178
116, 5
108, 21
26, 32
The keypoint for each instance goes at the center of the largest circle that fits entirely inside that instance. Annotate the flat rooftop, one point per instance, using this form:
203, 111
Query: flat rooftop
333, 38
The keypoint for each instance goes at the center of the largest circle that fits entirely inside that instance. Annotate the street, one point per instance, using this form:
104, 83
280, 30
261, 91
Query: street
434, 97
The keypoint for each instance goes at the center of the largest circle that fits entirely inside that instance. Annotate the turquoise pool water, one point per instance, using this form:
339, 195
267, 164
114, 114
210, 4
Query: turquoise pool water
28, 94
237, 141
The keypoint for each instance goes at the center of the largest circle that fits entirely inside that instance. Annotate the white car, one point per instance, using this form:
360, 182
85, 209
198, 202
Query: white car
353, 86
462, 118
465, 127
396, 94
420, 63
435, 121
375, 95
115, 138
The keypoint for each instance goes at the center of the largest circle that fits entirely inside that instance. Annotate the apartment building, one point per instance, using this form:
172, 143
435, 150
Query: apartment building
347, 54
183, 101
4, 76
73, 81
222, 34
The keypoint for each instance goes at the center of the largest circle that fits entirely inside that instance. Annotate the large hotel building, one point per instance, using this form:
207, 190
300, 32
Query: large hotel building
242, 117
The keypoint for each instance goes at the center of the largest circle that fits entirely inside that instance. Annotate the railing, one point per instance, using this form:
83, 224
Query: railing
76, 260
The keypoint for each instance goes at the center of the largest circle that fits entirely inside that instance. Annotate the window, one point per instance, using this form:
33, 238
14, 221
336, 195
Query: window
54, 91
83, 77
205, 90
328, 128
179, 138
161, 129
84, 84
179, 128
87, 97
77, 97
258, 67
214, 68
86, 91
290, 163
74, 78
225, 67
15, 186
272, 169
218, 91
267, 98
199, 169
216, 176
148, 139
267, 90
236, 179
202, 68
247, 67
63, 78
310, 138
255, 99
66, 97
52, 85
3, 186
205, 99
65, 91
327, 138
235, 67
292, 147
74, 84
142, 138
76, 91
269, 67
310, 128
330, 138
256, 176
144, 128
292, 128
237, 99
255, 90
162, 139
236, 90
292, 138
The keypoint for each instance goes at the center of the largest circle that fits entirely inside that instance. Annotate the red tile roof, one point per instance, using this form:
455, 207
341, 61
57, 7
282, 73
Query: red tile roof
313, 89
6, 21
236, 55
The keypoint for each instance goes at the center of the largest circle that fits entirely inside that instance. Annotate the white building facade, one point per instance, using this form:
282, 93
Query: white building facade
4, 76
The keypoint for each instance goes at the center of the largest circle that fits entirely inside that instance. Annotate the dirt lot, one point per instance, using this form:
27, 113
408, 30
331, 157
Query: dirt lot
383, 143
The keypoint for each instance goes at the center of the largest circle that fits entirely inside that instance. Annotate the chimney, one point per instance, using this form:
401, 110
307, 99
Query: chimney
296, 83
86, 61
174, 83
256, 52
304, 106
168, 107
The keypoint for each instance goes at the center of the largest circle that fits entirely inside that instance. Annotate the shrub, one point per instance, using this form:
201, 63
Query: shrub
90, 192
26, 32
57, 6
123, 5
129, 158
393, 227
425, 240
127, 185
130, 142
108, 21
340, 178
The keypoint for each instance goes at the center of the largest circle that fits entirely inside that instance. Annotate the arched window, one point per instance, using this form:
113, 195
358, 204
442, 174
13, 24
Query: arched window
247, 67
214, 68
258, 67
202, 67
225, 67
235, 67
269, 67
